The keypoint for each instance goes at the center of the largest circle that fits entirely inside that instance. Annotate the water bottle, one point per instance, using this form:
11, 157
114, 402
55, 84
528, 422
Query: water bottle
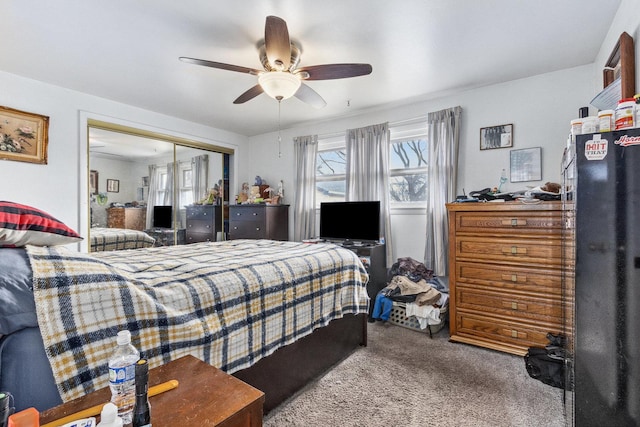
122, 376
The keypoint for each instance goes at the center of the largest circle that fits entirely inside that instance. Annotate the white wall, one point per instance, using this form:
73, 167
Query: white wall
60, 186
540, 109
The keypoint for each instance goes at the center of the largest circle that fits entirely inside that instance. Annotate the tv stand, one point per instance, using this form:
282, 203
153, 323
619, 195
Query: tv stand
374, 258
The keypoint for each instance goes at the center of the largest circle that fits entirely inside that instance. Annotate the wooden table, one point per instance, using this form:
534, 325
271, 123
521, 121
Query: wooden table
205, 396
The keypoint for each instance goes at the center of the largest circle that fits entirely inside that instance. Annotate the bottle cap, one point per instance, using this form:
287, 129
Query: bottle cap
124, 337
109, 416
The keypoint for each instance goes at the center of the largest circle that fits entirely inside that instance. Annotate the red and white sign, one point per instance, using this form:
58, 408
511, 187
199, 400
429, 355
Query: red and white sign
627, 140
596, 148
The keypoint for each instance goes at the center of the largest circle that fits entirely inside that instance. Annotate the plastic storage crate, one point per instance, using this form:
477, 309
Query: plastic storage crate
398, 317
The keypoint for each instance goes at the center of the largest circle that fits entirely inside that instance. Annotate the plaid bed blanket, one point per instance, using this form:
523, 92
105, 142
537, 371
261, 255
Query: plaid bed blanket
227, 303
115, 239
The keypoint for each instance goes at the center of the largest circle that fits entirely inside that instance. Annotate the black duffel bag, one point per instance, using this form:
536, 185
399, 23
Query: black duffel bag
547, 364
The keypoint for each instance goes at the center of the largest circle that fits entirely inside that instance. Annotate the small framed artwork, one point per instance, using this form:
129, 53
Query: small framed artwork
145, 181
113, 185
23, 136
496, 137
526, 164
93, 182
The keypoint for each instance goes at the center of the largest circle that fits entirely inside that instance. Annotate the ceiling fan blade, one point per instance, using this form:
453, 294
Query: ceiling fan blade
248, 95
277, 43
220, 65
310, 96
334, 71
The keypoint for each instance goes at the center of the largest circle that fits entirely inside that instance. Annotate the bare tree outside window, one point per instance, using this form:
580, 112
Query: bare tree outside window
408, 171
408, 165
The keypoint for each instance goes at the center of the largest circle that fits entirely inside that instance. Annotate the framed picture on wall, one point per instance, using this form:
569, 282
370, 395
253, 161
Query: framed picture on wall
93, 182
500, 136
113, 185
526, 165
24, 136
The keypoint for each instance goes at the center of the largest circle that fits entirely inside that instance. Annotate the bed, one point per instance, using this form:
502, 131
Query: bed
274, 314
115, 239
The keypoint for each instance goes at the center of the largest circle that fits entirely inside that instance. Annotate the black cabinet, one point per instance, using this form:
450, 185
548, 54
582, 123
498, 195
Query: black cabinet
203, 222
375, 262
259, 222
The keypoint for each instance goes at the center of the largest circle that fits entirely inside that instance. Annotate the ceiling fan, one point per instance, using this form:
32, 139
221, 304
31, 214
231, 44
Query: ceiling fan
281, 79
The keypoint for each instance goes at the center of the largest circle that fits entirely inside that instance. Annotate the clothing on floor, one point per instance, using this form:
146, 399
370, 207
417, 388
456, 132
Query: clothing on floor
382, 307
425, 314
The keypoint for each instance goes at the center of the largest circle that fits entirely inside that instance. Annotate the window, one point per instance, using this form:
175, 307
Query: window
408, 171
408, 167
162, 184
186, 184
331, 168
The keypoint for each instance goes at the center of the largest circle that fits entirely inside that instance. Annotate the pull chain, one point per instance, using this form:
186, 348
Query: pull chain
279, 131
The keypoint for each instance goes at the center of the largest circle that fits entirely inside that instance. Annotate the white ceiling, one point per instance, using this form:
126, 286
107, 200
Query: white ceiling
127, 50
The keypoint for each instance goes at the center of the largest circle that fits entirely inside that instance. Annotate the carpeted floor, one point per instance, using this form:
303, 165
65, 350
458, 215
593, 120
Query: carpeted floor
404, 378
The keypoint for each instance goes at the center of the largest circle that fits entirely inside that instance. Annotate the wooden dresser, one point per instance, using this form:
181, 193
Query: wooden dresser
505, 270
130, 218
203, 222
259, 222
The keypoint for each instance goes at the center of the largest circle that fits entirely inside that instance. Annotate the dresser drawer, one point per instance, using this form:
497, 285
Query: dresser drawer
515, 306
494, 330
531, 251
510, 277
205, 213
249, 213
200, 226
246, 229
509, 223
199, 237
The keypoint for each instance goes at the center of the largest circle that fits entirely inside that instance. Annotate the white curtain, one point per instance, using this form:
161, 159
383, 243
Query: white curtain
304, 214
168, 188
444, 139
200, 175
368, 173
153, 193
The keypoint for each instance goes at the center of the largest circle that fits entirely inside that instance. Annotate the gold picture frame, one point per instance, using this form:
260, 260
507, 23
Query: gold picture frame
23, 136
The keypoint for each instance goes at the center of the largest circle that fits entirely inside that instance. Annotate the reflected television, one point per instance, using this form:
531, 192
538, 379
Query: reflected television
350, 222
162, 216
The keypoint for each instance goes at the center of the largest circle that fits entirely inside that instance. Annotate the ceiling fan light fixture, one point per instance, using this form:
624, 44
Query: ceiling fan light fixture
279, 84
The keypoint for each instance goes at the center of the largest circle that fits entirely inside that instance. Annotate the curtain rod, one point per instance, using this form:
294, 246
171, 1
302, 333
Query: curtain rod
391, 124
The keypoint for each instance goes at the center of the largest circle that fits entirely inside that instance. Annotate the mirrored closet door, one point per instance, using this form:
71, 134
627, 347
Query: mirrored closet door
151, 190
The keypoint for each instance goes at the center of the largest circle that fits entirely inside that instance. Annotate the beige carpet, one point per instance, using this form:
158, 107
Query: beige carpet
404, 378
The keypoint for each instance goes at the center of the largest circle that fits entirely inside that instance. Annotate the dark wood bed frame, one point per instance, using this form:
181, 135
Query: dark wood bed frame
291, 368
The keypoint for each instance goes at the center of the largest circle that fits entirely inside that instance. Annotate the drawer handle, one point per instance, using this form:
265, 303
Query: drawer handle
257, 228
514, 222
514, 305
255, 213
204, 213
514, 278
514, 250
235, 228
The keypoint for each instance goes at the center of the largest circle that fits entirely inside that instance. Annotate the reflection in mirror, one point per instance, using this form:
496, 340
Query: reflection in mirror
159, 184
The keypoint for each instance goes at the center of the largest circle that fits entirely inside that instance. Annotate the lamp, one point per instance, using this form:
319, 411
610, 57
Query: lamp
279, 84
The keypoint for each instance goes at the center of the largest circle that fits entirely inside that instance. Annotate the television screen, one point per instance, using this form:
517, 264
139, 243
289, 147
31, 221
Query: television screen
350, 221
162, 216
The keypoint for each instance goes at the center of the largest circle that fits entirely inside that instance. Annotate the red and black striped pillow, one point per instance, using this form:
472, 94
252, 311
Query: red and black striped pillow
22, 225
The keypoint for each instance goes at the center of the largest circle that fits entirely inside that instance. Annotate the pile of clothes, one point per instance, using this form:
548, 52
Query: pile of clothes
412, 283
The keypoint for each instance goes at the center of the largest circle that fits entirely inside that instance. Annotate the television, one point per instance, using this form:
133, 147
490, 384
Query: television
350, 222
162, 216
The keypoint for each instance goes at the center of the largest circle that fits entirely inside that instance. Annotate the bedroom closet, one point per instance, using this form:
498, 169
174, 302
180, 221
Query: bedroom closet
155, 178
